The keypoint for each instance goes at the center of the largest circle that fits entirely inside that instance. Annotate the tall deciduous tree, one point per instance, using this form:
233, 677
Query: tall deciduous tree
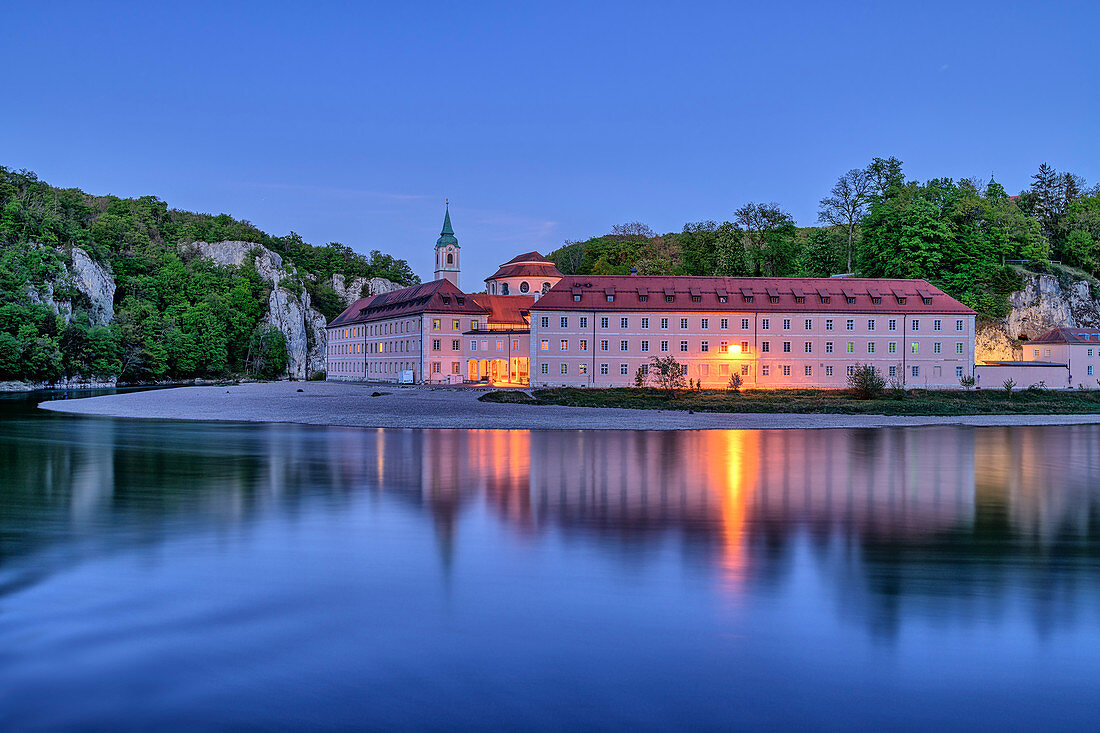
772, 238
847, 203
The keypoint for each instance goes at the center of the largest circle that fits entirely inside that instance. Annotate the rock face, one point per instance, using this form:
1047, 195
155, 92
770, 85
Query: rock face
92, 280
287, 310
1043, 303
359, 287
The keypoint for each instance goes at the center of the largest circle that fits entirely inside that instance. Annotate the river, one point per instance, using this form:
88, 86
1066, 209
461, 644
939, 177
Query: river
162, 574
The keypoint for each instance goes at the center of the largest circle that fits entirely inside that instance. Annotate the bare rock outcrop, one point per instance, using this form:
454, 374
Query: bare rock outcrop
1044, 303
91, 279
234, 254
360, 287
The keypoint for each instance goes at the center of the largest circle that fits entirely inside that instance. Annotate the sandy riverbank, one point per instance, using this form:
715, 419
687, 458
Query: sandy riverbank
329, 403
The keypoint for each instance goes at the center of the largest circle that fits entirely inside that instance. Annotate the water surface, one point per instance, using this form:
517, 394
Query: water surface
157, 574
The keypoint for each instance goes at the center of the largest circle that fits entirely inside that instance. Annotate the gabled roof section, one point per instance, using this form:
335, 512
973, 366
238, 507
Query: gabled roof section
1069, 336
509, 310
788, 294
438, 296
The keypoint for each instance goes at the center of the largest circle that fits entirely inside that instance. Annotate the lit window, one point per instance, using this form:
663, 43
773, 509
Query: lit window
850, 347
829, 371
435, 323
500, 345
437, 368
744, 347
582, 368
545, 345
564, 368
584, 344
809, 371
916, 347
603, 345
851, 369
564, 345
724, 347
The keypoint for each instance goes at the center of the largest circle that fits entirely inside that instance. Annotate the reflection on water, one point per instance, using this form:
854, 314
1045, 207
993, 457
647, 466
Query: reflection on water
838, 574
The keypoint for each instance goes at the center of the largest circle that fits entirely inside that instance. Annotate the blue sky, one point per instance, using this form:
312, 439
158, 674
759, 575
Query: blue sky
542, 122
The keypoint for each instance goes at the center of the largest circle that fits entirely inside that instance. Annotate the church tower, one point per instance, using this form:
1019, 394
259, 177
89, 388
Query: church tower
446, 251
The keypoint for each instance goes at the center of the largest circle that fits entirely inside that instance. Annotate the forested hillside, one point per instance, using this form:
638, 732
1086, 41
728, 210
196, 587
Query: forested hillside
175, 315
968, 237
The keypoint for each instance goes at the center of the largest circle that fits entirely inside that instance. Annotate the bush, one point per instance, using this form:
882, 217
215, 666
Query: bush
1009, 385
667, 373
734, 385
866, 382
967, 381
640, 378
318, 376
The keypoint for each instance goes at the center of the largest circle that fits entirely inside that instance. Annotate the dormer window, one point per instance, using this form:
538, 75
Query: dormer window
748, 298
825, 299
851, 301
721, 299
446, 300
799, 300
901, 300
610, 297
876, 301
670, 298
774, 299
577, 298
460, 301
696, 299
927, 301
473, 325
643, 298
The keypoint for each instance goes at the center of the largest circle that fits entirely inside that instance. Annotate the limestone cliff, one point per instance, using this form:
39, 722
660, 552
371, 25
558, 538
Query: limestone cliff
1045, 302
360, 287
89, 279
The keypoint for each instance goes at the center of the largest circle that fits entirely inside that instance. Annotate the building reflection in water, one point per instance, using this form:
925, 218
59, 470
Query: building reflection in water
879, 508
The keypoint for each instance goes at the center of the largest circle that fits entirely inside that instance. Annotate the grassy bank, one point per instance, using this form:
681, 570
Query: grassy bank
807, 401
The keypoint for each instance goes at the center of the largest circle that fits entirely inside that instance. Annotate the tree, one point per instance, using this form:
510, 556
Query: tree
667, 373
884, 174
771, 236
866, 382
641, 376
632, 230
735, 382
847, 204
267, 353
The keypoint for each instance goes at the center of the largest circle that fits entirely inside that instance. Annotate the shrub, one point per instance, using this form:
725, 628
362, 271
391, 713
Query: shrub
1009, 385
734, 385
667, 373
640, 378
318, 376
866, 382
967, 382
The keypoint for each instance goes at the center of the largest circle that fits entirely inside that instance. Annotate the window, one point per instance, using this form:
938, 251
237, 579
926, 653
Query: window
603, 345
564, 368
473, 345
809, 324
916, 324
829, 371
850, 300
564, 322
705, 323
664, 346
786, 347
850, 325
1046, 352
765, 324
435, 324
546, 322
1035, 353
808, 347
721, 299
774, 299
744, 323
892, 347
1090, 353
959, 372
624, 369
455, 345
892, 324
683, 346
545, 345
765, 370
500, 344
870, 347
744, 370
959, 348
828, 347
959, 325
645, 323
645, 346
916, 347
825, 299
584, 344
809, 371
564, 345
799, 299
624, 346
744, 347
765, 347
828, 324
786, 324
916, 371
604, 322
576, 298
850, 347
670, 298
644, 368
704, 346
545, 368
786, 370
1090, 369
610, 298
624, 322
893, 370
936, 348
456, 324
683, 323
870, 324
851, 369
704, 369
436, 345
584, 321
664, 323
437, 368
603, 369
724, 347
937, 325
643, 298
696, 298
582, 368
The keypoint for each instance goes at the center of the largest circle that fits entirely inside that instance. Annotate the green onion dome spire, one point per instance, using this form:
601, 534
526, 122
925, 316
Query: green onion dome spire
447, 236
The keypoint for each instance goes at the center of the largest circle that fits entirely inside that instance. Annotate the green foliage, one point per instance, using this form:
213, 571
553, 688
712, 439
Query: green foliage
267, 353
866, 382
175, 316
667, 374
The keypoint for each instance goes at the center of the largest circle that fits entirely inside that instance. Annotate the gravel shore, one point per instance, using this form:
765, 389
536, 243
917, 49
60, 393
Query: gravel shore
332, 403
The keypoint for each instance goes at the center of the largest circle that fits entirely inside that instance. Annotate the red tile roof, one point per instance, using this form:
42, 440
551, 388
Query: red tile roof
1069, 336
528, 257
438, 296
533, 271
506, 309
741, 294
